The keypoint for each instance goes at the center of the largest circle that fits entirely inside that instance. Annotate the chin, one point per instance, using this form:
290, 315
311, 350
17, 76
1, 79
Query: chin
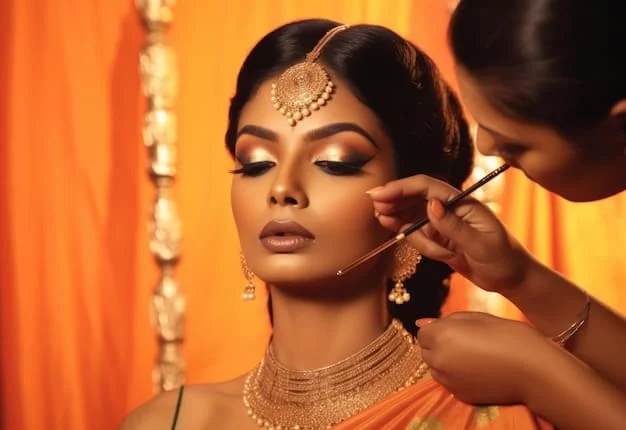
292, 269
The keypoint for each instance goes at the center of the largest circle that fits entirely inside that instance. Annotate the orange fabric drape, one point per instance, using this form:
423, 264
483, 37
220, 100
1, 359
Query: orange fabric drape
427, 405
72, 221
76, 346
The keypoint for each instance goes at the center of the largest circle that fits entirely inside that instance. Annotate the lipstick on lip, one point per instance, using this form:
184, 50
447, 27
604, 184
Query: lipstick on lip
285, 236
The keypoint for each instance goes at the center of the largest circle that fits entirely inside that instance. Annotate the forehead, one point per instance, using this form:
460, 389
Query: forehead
482, 112
491, 119
343, 106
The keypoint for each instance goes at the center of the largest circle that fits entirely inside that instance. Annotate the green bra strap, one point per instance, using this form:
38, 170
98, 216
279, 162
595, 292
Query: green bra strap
178, 403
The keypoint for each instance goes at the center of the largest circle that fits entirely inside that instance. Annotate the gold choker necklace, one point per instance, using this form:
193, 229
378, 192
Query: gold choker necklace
280, 398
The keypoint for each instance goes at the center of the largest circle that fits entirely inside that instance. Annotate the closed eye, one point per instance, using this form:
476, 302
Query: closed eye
254, 169
340, 168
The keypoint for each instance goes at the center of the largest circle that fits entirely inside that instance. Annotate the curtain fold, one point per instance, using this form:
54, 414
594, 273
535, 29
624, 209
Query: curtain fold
76, 345
71, 211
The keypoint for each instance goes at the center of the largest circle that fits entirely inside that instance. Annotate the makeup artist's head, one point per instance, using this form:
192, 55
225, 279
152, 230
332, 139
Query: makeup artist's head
545, 80
390, 116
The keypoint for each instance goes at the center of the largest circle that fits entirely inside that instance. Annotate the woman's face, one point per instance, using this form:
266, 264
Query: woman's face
298, 193
590, 168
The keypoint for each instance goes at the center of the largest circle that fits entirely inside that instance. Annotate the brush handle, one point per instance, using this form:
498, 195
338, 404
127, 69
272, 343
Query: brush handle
414, 227
450, 203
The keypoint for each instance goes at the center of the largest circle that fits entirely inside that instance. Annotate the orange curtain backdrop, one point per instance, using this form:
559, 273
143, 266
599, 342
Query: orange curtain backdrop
72, 220
76, 347
586, 242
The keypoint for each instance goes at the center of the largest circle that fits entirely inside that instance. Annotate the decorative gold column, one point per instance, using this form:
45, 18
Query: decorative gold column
159, 75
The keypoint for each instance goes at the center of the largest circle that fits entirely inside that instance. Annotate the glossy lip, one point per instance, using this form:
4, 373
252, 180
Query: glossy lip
285, 236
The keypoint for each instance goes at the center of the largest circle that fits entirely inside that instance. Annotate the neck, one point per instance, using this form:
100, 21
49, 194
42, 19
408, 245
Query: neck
309, 334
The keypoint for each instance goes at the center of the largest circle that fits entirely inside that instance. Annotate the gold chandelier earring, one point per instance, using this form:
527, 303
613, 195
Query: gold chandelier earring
405, 262
249, 291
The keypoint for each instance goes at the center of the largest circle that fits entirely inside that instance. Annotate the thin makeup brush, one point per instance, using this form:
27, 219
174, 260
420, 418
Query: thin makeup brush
414, 227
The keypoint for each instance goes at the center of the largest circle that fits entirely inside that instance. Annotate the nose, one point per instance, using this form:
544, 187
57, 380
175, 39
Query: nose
485, 143
287, 189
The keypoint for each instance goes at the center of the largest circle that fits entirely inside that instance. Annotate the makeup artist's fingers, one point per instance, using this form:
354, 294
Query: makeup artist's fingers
494, 351
431, 248
414, 207
454, 228
418, 186
428, 336
427, 240
398, 222
390, 222
404, 199
421, 322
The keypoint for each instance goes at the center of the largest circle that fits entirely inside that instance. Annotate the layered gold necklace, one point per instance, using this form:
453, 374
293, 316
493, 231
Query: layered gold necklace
280, 398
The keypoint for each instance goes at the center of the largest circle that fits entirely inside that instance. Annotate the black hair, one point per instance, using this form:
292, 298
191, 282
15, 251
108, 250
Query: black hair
551, 62
415, 106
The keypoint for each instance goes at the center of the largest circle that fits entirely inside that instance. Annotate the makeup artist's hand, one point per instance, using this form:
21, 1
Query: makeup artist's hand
483, 359
469, 237
503, 358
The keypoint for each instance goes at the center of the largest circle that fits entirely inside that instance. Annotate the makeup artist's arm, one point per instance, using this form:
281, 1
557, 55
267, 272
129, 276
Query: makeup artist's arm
511, 362
472, 240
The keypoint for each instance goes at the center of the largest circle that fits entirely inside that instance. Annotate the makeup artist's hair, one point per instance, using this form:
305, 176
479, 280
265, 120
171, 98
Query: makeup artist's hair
403, 87
552, 62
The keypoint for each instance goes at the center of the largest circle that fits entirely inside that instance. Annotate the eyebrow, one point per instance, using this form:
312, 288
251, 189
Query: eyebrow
312, 135
492, 131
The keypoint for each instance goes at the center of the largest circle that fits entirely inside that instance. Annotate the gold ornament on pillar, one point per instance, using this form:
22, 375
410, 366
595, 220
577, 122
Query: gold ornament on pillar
159, 81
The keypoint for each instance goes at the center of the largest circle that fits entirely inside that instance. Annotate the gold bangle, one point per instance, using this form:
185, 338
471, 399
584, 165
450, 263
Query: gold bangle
562, 338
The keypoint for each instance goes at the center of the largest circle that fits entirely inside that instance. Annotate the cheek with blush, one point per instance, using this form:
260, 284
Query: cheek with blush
246, 210
350, 221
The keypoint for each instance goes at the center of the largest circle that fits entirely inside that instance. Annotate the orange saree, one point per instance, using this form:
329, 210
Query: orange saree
429, 406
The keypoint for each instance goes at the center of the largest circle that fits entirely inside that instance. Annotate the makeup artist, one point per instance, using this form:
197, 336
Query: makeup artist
546, 85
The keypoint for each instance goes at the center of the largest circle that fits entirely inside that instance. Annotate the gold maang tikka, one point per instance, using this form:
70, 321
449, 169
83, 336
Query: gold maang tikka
405, 262
306, 86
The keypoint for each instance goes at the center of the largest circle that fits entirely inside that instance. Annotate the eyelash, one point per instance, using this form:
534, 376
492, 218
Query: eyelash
339, 168
335, 168
254, 169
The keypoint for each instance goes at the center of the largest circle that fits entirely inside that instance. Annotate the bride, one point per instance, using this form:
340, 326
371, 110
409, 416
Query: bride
323, 113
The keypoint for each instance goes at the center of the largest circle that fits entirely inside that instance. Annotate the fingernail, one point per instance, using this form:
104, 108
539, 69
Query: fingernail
437, 208
374, 190
424, 321
376, 214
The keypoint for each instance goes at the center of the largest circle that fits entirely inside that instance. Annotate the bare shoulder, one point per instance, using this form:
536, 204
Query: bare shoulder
156, 413
201, 405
